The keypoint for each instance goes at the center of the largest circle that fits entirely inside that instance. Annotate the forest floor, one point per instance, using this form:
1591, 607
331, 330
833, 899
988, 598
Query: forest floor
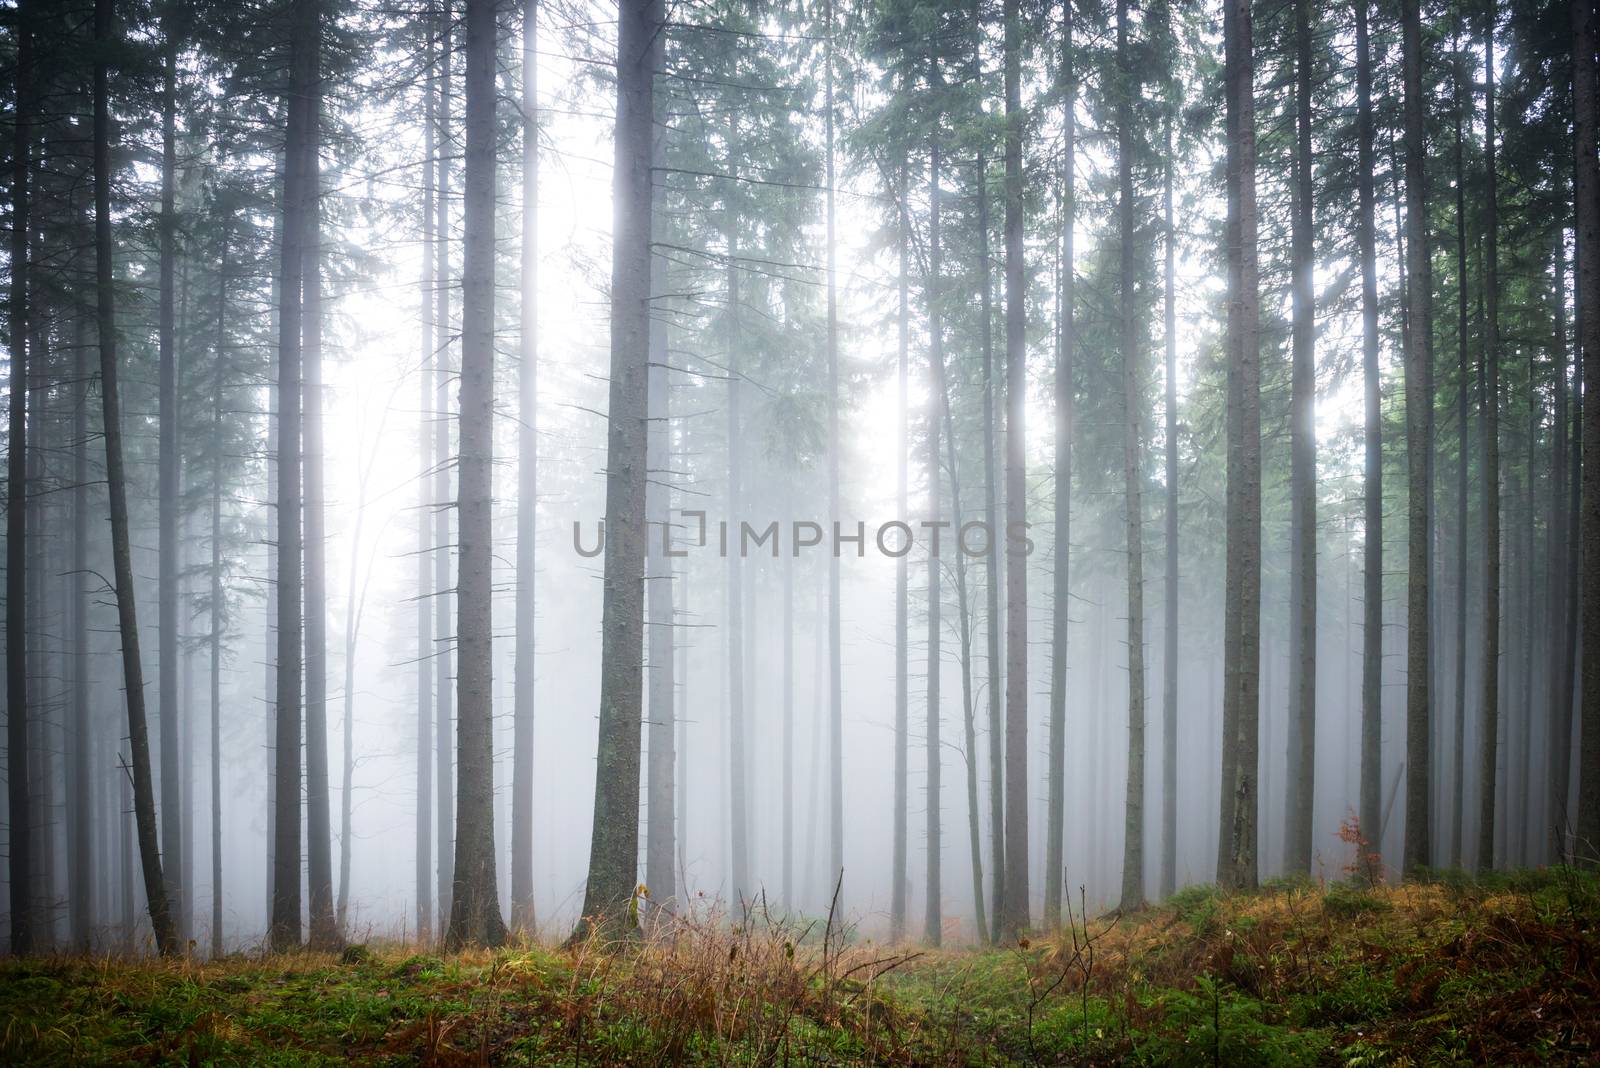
1505, 971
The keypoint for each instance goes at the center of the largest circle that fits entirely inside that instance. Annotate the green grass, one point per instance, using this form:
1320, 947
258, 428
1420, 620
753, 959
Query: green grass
1504, 971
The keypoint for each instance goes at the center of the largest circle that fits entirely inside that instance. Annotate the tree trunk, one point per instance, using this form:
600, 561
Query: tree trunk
19, 844
661, 843
144, 802
443, 585
897, 890
167, 722
524, 667
475, 902
835, 681
1558, 749
1243, 617
1016, 911
1488, 767
220, 356
614, 848
1303, 448
1132, 477
425, 591
1462, 100
1587, 192
738, 794
84, 871
285, 920
1372, 523
1169, 660
1419, 435
933, 920
1061, 607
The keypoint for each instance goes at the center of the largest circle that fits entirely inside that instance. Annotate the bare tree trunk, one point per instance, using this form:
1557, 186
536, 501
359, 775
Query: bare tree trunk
425, 591
897, 891
168, 563
1587, 194
835, 682
660, 788
220, 358
319, 827
524, 668
1169, 660
1558, 748
933, 920
614, 849
475, 902
1488, 784
443, 585
1061, 607
1372, 524
1419, 435
285, 920
1132, 477
19, 843
144, 802
1462, 102
991, 513
1242, 670
83, 870
738, 794
1016, 911
1301, 780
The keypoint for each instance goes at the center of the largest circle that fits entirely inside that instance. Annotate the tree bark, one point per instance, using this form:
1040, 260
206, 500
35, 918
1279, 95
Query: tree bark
475, 917
1419, 435
1169, 660
144, 802
218, 378
738, 794
1132, 478
1242, 671
1016, 911
614, 847
835, 680
1061, 608
1488, 784
524, 668
897, 888
425, 591
168, 563
1301, 780
933, 920
1463, 456
443, 585
19, 842
1588, 300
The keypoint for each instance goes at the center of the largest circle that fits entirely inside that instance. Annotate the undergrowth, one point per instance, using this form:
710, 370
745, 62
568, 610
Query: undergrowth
1445, 970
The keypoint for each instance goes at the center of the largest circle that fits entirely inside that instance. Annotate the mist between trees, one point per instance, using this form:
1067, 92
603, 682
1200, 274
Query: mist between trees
1252, 340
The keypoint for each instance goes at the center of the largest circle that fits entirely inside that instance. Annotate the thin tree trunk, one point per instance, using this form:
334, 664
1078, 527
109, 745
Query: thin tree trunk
285, 920
1301, 780
168, 563
991, 514
1558, 748
1243, 630
1372, 524
1419, 435
1587, 195
425, 591
1061, 608
1169, 660
19, 842
1488, 784
738, 795
933, 920
1462, 101
661, 843
614, 848
220, 357
897, 891
475, 902
1016, 911
319, 829
83, 870
144, 802
524, 668
835, 681
443, 586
